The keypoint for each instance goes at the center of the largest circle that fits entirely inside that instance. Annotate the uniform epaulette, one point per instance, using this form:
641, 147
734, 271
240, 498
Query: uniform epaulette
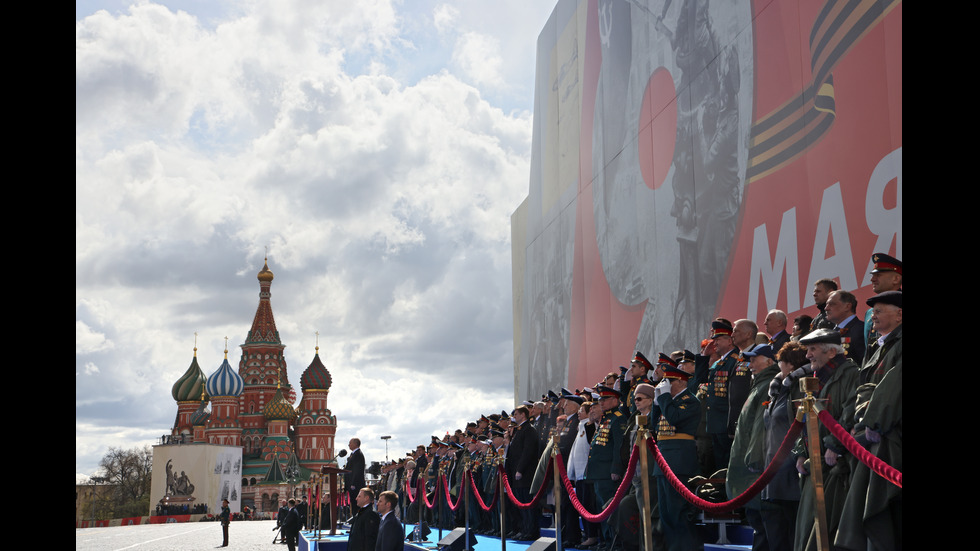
618, 413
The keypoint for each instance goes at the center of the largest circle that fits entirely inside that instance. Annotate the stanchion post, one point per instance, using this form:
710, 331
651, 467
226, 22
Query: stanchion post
642, 434
439, 475
808, 408
555, 452
466, 496
420, 491
502, 499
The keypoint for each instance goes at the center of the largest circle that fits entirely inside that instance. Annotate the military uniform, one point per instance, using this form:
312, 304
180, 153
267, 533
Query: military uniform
739, 386
605, 459
677, 424
716, 402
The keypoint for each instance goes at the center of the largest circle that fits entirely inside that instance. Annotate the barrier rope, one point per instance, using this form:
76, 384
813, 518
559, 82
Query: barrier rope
510, 492
479, 499
449, 499
620, 492
879, 467
408, 491
738, 501
425, 498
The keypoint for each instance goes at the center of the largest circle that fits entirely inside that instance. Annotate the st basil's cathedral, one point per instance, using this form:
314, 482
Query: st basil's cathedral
251, 408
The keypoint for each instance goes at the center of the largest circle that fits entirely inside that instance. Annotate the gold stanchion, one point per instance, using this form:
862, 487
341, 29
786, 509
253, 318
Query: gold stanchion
557, 488
808, 409
465, 491
502, 499
642, 434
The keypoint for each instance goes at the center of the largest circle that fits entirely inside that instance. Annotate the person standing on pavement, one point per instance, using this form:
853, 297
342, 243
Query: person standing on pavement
225, 518
290, 526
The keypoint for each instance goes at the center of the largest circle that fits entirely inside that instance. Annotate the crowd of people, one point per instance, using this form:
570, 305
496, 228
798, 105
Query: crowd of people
723, 411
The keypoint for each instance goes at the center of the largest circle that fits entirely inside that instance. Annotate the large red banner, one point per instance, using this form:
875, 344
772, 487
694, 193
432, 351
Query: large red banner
697, 159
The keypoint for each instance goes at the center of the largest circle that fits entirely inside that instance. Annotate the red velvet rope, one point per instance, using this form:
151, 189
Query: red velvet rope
510, 493
479, 499
449, 497
879, 467
435, 492
624, 484
408, 491
738, 501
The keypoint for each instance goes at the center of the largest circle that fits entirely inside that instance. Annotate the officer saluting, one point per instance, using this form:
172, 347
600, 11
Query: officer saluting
605, 467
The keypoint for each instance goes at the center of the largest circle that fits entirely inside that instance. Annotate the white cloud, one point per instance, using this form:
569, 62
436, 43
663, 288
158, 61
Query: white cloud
385, 204
87, 340
478, 57
445, 17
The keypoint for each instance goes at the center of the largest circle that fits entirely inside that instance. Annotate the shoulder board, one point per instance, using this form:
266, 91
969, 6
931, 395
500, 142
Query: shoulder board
618, 413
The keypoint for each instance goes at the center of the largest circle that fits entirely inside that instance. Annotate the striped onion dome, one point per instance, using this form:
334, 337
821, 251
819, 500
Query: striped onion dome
225, 381
188, 386
201, 416
316, 377
279, 409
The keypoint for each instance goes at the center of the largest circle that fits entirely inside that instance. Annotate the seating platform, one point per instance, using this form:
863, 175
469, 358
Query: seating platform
737, 537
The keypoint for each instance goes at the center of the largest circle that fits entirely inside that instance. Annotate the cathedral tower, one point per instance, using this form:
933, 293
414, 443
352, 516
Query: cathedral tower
262, 367
315, 425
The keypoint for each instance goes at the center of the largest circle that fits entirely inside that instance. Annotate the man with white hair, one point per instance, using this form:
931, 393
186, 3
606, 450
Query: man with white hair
838, 376
775, 324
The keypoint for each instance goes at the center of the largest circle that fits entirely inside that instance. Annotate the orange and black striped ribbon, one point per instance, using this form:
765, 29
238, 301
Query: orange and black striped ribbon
787, 132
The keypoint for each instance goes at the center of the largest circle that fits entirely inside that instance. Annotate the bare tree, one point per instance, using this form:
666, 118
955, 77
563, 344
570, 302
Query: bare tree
129, 473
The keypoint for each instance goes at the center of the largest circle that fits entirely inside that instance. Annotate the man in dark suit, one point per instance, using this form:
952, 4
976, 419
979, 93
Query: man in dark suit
841, 309
364, 526
775, 324
390, 533
522, 458
290, 526
280, 518
302, 508
355, 464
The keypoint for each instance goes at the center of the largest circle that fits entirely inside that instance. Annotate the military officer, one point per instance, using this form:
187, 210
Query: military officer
886, 275
639, 366
716, 391
605, 466
677, 412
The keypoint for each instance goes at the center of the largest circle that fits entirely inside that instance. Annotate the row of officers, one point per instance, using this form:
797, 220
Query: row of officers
727, 407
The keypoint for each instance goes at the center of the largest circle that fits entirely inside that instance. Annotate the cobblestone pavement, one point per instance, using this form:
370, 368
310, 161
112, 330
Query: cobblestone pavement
252, 535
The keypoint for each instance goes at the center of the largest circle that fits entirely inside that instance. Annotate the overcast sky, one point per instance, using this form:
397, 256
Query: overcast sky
376, 148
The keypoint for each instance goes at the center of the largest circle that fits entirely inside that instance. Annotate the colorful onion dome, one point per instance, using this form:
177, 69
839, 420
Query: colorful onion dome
316, 377
225, 381
201, 416
188, 386
279, 409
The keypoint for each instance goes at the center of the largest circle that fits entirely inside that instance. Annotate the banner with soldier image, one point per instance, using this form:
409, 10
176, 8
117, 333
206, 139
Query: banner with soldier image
695, 159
